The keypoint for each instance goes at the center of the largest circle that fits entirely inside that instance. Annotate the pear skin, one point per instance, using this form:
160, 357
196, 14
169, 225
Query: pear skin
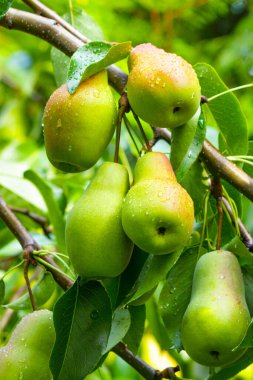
217, 316
26, 355
162, 88
96, 242
157, 214
78, 127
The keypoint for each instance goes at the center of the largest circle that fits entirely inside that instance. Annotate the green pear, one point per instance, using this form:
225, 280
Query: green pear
162, 88
96, 242
78, 127
26, 355
181, 139
217, 316
157, 214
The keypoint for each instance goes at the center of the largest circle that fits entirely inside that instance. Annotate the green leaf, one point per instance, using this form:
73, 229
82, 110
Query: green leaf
156, 324
238, 248
82, 318
54, 212
92, 58
153, 271
2, 291
86, 25
247, 341
4, 6
194, 149
120, 324
136, 330
175, 295
248, 283
226, 111
42, 291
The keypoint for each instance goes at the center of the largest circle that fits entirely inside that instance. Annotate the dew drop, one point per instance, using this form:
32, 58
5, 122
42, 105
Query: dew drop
94, 315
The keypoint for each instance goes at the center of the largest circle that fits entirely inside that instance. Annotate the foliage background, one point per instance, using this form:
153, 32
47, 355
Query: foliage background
219, 32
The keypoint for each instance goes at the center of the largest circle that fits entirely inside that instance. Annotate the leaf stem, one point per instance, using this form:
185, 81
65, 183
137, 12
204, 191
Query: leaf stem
123, 108
148, 147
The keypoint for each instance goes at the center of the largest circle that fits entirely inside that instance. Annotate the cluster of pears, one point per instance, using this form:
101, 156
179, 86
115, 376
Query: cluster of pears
156, 214
26, 355
217, 317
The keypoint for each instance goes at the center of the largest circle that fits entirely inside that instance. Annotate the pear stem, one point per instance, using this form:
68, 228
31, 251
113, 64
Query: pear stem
148, 147
123, 108
128, 127
216, 190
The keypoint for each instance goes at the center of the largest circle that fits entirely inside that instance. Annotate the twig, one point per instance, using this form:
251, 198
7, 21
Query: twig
148, 147
29, 244
43, 10
123, 108
149, 373
39, 219
245, 234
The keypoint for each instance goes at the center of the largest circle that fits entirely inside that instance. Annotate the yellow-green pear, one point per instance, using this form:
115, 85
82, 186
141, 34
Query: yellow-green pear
217, 316
26, 355
162, 88
96, 242
78, 127
157, 214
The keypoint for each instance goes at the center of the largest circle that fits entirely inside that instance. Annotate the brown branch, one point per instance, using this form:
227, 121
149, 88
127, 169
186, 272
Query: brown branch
123, 108
43, 10
245, 234
39, 219
29, 244
48, 30
148, 372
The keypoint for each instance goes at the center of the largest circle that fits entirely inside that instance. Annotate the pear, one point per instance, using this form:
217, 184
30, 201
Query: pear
78, 127
157, 214
217, 316
162, 88
26, 355
96, 242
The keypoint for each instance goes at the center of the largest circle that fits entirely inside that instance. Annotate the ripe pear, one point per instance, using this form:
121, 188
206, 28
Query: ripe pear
157, 214
96, 242
162, 88
78, 127
26, 355
217, 316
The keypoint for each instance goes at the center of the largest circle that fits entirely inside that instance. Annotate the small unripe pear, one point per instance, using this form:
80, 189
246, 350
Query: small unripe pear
26, 355
217, 316
96, 242
162, 88
78, 127
157, 214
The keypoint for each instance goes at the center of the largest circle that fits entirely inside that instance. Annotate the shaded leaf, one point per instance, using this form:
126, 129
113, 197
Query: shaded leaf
226, 111
2, 291
153, 271
238, 248
175, 295
193, 150
136, 330
120, 324
54, 212
42, 291
92, 58
4, 6
82, 318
